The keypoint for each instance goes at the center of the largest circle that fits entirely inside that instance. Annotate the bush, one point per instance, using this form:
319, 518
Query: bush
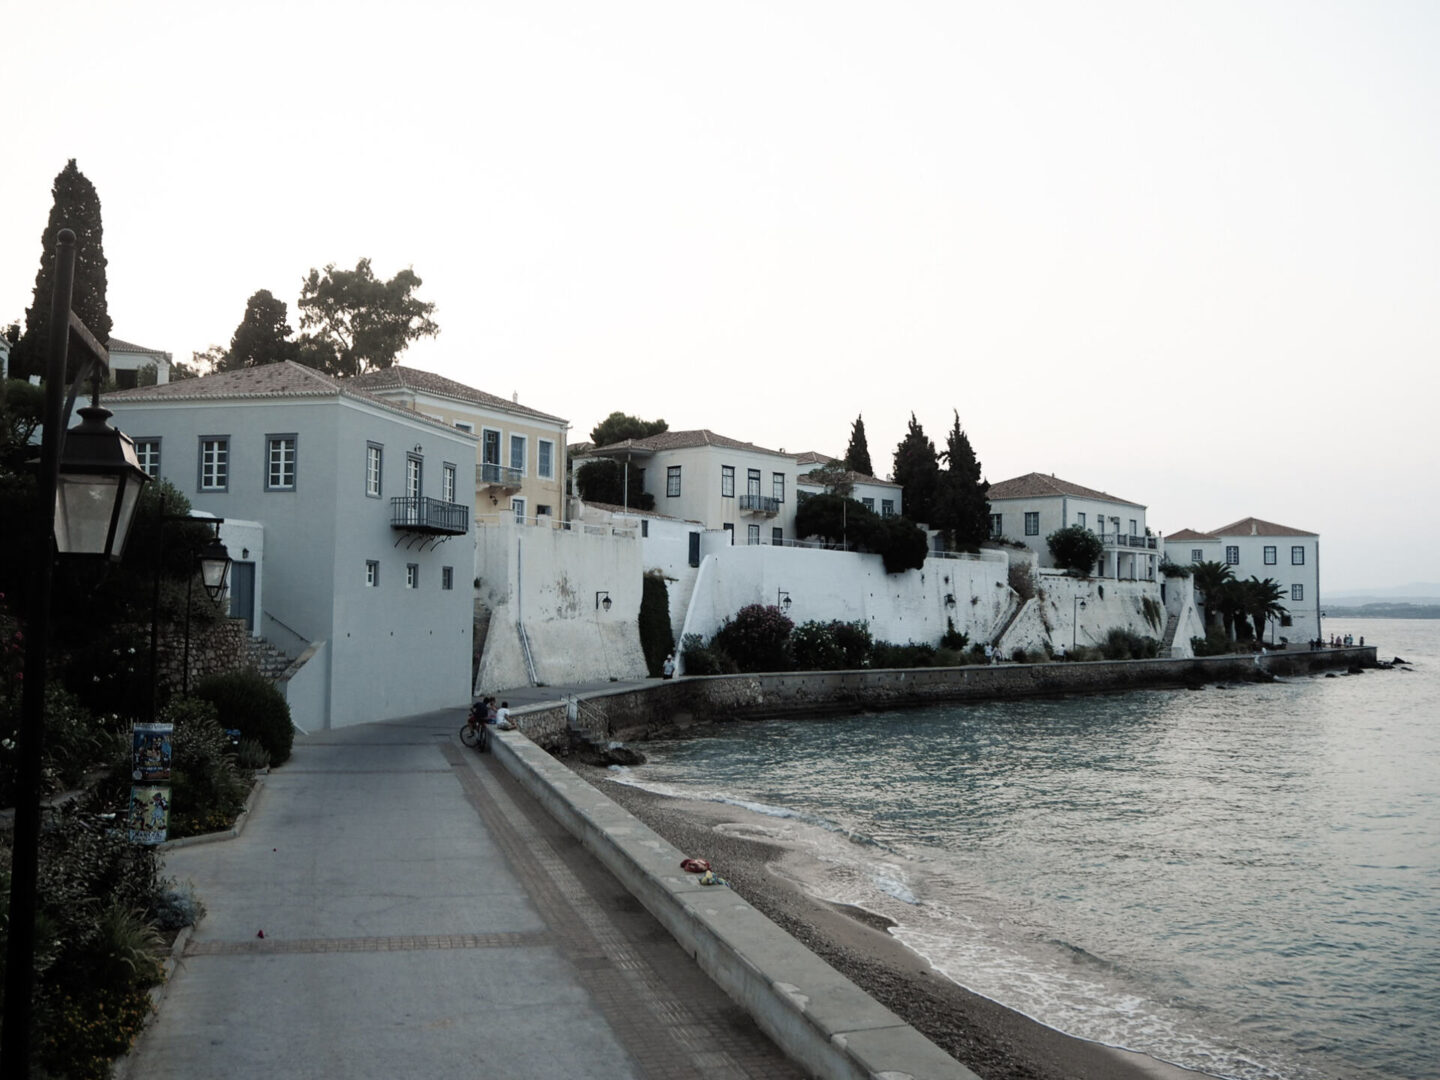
1127, 645
1154, 614
207, 788
952, 639
75, 742
251, 756
1173, 569
176, 906
756, 638
247, 702
1075, 548
701, 659
657, 640
909, 655
1022, 579
1215, 643
831, 646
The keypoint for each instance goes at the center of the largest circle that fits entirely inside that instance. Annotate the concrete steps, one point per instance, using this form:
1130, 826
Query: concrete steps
267, 659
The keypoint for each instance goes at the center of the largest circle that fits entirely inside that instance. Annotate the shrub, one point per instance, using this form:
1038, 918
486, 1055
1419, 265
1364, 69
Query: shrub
702, 659
813, 647
952, 639
251, 756
1126, 645
207, 789
756, 638
176, 906
1173, 569
1022, 579
1075, 548
1215, 643
657, 640
1153, 612
75, 741
910, 655
247, 702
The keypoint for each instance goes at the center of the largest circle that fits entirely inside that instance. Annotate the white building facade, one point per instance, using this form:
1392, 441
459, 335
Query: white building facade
1029, 508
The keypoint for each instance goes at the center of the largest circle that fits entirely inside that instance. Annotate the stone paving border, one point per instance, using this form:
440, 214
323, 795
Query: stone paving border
815, 1014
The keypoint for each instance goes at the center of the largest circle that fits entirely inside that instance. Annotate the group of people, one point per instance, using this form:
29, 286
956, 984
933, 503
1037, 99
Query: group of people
1337, 641
484, 712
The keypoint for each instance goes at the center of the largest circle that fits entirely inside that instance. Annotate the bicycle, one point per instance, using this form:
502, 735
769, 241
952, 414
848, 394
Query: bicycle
476, 733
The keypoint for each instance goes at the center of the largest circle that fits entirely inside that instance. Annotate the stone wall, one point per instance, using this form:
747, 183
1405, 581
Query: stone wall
662, 708
219, 647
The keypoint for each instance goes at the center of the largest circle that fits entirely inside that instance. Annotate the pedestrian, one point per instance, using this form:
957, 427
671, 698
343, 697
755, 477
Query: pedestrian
502, 717
989, 653
667, 669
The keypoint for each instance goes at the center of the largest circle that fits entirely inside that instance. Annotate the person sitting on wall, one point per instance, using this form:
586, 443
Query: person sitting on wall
667, 669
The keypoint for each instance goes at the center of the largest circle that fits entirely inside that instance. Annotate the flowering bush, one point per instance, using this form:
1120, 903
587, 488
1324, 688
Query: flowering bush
756, 638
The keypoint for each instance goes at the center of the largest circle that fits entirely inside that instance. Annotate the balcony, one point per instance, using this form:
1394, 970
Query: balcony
759, 504
1129, 540
500, 477
429, 517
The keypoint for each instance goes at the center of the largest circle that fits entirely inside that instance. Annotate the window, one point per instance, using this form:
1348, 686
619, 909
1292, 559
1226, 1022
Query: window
1297, 556
412, 476
729, 527
447, 577
518, 506
869, 504
1297, 592
1080, 520
412, 575
517, 454
490, 456
372, 573
1197, 554
466, 426
1232, 555
373, 458
447, 482
727, 481
542, 511
672, 481
752, 483
1032, 523
280, 463
1133, 530
777, 537
752, 535
777, 486
887, 507
545, 459
644, 527
1269, 554
147, 452
214, 462
996, 527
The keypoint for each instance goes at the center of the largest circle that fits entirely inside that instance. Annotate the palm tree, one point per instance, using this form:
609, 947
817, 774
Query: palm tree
1262, 602
1211, 579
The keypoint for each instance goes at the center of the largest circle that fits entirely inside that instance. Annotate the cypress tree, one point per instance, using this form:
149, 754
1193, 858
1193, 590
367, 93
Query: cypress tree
857, 454
76, 207
917, 471
962, 506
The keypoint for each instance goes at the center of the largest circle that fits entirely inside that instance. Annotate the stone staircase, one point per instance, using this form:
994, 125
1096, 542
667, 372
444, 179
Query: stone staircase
267, 659
1167, 643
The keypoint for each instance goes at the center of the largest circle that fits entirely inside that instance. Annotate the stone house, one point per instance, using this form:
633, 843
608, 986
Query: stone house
1029, 508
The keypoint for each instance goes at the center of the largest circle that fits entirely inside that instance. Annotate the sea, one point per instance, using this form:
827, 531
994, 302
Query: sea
1243, 880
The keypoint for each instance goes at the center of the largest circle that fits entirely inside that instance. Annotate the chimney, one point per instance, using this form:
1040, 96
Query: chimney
515, 397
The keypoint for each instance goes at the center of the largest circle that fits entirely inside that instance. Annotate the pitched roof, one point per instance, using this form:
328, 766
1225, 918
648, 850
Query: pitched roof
116, 345
286, 379
397, 377
850, 475
814, 457
1191, 534
1253, 526
1037, 485
682, 440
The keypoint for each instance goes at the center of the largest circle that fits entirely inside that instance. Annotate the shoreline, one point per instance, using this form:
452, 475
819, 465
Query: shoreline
994, 1041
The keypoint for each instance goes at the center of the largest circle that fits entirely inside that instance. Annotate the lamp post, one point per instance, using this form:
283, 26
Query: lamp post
87, 490
782, 600
1075, 609
214, 562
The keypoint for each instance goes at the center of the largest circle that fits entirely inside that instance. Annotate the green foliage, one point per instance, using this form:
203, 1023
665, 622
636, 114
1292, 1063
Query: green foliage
251, 755
952, 638
1021, 575
897, 540
248, 702
1173, 569
962, 505
1214, 643
831, 646
1211, 580
22, 408
263, 336
360, 322
835, 478
1260, 601
1075, 548
76, 206
207, 787
910, 655
1154, 614
657, 640
702, 659
917, 471
1127, 645
756, 638
857, 454
176, 906
902, 544
75, 741
619, 426
603, 480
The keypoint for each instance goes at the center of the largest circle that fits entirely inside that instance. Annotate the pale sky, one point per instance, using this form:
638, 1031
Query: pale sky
1186, 254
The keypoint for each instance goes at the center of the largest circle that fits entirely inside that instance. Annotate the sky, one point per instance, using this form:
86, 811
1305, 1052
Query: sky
1188, 254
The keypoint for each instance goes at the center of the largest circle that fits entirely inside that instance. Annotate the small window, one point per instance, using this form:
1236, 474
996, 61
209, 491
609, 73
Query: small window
777, 537
887, 507
280, 463
1232, 555
1080, 519
412, 575
517, 454
545, 459
997, 528
374, 455
644, 527
1032, 523
672, 481
372, 573
1134, 531
542, 510
727, 481
147, 452
869, 504
1197, 554
214, 462
447, 482
517, 506
447, 578
1297, 555
1269, 554
465, 426
752, 535
1297, 592
777, 486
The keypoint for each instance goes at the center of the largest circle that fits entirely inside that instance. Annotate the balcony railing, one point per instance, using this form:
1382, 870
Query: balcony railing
423, 514
759, 504
500, 475
1129, 540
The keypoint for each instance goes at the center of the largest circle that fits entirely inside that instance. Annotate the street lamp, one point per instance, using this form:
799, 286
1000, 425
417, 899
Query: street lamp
214, 562
87, 490
782, 600
602, 599
1075, 609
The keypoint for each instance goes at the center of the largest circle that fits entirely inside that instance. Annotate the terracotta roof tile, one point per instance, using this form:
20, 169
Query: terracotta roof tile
681, 440
851, 475
397, 377
1253, 526
116, 345
1037, 485
1191, 534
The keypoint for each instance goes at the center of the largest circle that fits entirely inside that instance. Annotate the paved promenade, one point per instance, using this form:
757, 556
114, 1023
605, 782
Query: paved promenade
422, 916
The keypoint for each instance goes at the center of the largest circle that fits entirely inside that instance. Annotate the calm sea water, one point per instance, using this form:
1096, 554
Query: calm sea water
1244, 881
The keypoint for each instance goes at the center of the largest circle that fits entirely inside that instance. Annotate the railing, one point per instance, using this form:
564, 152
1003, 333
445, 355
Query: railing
424, 514
759, 504
500, 475
1129, 540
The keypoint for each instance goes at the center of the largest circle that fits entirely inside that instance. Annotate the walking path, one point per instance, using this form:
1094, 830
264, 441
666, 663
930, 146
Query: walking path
423, 916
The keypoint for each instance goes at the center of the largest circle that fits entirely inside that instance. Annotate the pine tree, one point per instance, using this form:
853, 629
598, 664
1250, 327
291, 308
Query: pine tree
263, 336
857, 454
917, 471
76, 207
962, 508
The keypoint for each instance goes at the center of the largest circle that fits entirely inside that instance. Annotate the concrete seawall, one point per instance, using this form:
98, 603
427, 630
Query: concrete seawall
665, 707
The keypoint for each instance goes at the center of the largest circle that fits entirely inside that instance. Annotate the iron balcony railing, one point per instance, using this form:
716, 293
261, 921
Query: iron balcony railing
427, 515
1129, 540
759, 504
500, 475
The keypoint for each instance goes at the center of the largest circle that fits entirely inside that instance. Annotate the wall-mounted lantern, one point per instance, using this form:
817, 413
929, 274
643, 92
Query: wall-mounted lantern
602, 600
782, 600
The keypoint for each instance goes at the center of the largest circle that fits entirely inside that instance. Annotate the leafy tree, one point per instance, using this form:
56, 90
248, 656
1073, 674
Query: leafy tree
857, 454
962, 508
834, 477
359, 321
1211, 579
76, 207
603, 480
757, 638
619, 426
1260, 601
1075, 548
897, 540
917, 471
263, 336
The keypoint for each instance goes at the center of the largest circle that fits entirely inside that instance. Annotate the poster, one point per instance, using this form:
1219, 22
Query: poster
149, 816
150, 748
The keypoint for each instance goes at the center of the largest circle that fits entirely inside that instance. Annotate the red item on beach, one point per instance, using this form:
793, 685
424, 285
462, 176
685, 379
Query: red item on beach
694, 866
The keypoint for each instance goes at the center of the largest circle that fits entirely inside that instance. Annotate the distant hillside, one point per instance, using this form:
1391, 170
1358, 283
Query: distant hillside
1383, 610
1424, 593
